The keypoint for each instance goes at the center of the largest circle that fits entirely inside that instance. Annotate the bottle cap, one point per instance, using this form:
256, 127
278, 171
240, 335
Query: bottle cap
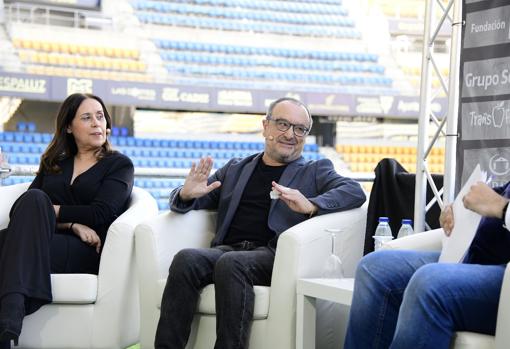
384, 219
407, 221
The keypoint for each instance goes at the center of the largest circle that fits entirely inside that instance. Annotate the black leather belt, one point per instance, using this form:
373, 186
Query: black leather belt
246, 245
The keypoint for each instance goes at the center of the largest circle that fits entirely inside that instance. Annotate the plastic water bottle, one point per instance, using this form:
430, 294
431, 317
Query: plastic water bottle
382, 233
406, 228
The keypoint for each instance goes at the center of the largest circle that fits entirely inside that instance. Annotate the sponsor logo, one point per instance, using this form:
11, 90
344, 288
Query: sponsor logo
235, 98
175, 95
497, 24
486, 81
499, 165
27, 85
79, 86
329, 105
497, 117
143, 94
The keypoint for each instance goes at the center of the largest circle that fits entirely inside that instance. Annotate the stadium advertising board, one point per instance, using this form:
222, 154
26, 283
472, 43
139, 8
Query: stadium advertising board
84, 4
484, 112
214, 99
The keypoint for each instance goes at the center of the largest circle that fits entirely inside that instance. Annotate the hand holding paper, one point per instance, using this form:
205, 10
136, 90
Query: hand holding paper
456, 245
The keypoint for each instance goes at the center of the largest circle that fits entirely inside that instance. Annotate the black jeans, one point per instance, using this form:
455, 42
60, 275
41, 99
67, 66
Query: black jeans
233, 270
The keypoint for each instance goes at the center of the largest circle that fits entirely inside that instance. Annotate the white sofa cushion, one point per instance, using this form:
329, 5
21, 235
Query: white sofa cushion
206, 303
74, 288
471, 340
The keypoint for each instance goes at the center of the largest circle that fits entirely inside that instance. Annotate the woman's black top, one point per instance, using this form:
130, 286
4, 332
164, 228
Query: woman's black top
96, 197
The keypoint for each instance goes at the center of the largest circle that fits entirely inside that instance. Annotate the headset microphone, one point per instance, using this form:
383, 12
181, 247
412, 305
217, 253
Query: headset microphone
108, 131
271, 138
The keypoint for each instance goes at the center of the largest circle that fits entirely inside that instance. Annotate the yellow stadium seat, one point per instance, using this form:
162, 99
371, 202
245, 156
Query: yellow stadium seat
52, 59
107, 63
109, 51
116, 64
134, 53
100, 51
118, 52
17, 42
91, 50
124, 65
54, 47
45, 46
64, 48
98, 63
41, 57
26, 44
73, 49
89, 62
83, 50
24, 56
62, 60
80, 61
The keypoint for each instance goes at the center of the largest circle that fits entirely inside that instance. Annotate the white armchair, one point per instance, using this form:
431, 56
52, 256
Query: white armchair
302, 252
432, 241
90, 311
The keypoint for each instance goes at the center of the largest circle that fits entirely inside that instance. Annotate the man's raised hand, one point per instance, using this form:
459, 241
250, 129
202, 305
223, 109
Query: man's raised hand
195, 184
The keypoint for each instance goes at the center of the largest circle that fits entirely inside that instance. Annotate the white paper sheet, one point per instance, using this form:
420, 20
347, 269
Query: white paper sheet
466, 222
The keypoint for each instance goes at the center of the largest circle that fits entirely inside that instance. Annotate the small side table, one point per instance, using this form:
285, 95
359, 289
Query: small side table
308, 291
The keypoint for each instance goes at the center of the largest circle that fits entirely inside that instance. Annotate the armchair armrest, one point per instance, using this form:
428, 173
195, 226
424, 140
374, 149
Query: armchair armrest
117, 287
302, 252
9, 195
427, 241
156, 243
503, 321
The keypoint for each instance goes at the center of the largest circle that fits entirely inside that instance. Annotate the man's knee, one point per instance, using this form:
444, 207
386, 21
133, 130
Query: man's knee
376, 263
184, 259
429, 283
229, 264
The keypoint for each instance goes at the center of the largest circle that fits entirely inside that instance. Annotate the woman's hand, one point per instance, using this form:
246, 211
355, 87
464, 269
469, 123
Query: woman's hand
87, 235
446, 220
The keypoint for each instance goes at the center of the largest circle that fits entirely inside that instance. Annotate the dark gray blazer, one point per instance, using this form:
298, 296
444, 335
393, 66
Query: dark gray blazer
316, 180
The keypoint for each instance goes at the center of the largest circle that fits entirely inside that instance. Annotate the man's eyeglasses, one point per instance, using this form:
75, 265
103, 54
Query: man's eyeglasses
283, 125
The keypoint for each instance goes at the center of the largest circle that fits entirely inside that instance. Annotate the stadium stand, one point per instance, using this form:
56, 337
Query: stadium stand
363, 158
68, 58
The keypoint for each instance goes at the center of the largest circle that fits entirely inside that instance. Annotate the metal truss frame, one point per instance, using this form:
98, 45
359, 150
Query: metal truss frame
449, 121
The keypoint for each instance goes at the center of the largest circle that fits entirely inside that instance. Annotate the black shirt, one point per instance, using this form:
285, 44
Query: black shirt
250, 220
491, 244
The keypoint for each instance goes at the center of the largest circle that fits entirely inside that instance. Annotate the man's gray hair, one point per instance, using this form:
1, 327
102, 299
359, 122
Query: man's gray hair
291, 100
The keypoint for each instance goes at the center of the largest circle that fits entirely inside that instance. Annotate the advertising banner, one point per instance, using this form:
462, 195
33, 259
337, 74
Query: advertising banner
210, 98
484, 108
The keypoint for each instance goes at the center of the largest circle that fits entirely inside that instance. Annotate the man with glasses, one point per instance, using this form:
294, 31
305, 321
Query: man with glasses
248, 224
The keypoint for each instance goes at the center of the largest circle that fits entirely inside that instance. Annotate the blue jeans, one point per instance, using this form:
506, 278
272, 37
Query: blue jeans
234, 271
403, 299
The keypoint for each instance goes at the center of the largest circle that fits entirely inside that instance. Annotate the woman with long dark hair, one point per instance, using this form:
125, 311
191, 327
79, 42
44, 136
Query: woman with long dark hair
59, 225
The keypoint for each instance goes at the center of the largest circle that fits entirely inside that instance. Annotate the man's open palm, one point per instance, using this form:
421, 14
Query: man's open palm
195, 184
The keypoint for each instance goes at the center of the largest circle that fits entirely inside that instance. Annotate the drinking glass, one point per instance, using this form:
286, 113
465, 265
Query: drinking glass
333, 268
